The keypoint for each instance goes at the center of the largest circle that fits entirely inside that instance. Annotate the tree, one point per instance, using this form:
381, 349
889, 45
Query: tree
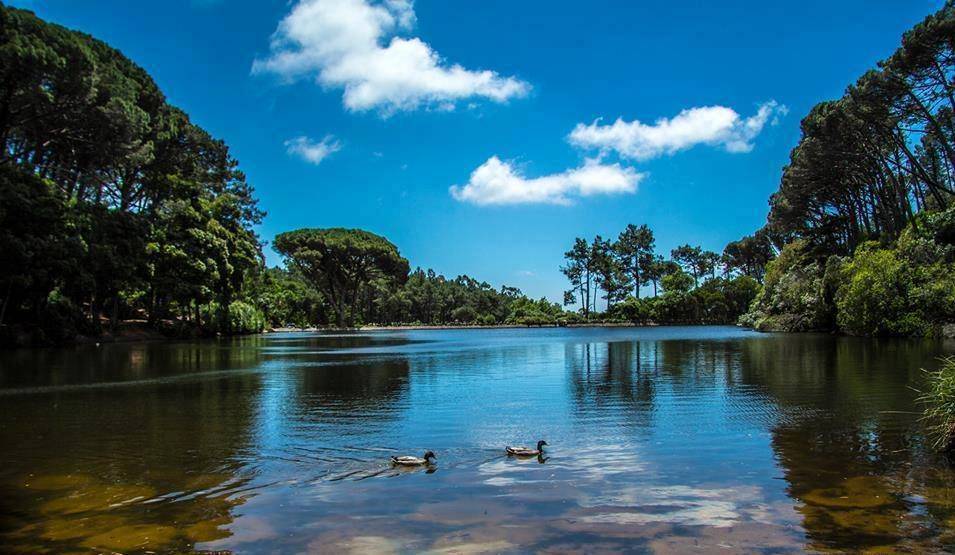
634, 249
708, 263
341, 263
692, 260
749, 255
658, 268
868, 162
38, 246
607, 272
677, 282
577, 269
157, 215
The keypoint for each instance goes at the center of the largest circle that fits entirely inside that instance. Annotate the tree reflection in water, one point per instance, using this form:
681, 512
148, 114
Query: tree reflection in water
663, 439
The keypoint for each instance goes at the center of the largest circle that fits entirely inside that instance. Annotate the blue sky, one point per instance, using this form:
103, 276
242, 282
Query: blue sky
468, 133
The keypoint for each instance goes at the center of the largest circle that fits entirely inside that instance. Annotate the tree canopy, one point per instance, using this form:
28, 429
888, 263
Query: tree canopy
139, 212
342, 263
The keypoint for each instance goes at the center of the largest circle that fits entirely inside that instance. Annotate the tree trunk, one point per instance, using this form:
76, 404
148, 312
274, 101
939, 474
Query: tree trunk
341, 311
6, 300
114, 313
587, 295
636, 280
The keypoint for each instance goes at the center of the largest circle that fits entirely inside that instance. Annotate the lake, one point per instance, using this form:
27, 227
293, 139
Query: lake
667, 440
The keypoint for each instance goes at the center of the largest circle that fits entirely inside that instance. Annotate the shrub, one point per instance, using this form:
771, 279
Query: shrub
793, 297
632, 309
487, 320
241, 318
464, 314
872, 297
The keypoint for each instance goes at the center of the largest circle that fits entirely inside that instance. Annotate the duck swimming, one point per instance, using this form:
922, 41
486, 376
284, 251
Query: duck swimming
414, 461
527, 451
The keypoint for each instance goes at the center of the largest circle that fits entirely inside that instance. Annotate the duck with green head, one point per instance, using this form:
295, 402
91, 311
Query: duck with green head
408, 460
526, 451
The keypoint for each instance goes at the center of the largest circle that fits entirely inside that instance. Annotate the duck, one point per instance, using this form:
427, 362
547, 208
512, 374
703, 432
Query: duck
527, 451
408, 460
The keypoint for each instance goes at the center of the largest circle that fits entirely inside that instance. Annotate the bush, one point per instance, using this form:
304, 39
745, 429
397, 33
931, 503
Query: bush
464, 314
487, 320
793, 297
569, 319
883, 292
872, 299
632, 309
241, 318
905, 288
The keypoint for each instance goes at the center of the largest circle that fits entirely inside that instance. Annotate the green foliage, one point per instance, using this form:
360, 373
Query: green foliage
694, 296
865, 204
527, 312
872, 300
677, 282
634, 251
39, 244
287, 300
749, 255
342, 264
869, 162
902, 288
240, 317
793, 295
111, 201
632, 309
939, 402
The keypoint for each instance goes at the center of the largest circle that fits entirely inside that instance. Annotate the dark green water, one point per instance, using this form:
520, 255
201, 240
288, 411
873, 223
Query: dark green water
661, 440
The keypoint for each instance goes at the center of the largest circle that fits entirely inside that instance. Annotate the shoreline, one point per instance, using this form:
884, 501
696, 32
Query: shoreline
412, 327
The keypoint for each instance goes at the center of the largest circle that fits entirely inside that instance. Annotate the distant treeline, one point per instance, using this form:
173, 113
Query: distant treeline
686, 287
864, 214
347, 277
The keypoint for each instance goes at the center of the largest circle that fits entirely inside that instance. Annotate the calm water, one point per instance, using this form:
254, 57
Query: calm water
663, 440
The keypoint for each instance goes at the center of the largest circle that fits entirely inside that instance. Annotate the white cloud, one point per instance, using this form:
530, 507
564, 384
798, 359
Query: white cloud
351, 44
313, 151
710, 125
497, 182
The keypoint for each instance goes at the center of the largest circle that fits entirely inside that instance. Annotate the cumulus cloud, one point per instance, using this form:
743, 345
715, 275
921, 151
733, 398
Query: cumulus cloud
313, 151
717, 126
498, 182
352, 44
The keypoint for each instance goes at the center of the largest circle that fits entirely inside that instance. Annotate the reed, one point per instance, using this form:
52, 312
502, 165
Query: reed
938, 399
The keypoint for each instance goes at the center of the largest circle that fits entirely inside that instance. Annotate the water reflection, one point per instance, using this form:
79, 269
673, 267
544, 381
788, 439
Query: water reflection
856, 461
661, 439
103, 467
611, 374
